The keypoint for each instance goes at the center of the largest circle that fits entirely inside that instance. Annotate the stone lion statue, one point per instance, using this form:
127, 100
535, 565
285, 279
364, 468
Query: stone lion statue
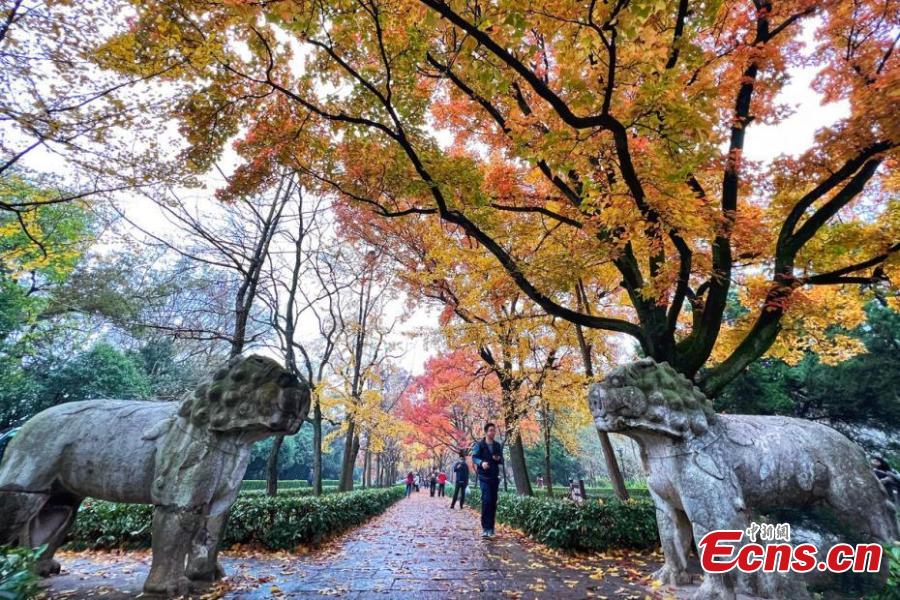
186, 459
710, 471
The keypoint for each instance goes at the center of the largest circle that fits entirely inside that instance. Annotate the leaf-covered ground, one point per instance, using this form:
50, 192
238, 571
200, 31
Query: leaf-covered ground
418, 546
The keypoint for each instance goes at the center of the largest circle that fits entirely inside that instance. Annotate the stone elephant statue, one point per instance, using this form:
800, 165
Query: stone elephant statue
187, 459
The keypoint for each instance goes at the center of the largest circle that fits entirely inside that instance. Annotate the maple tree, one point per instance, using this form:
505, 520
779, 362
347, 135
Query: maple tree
561, 413
514, 339
617, 130
447, 405
482, 309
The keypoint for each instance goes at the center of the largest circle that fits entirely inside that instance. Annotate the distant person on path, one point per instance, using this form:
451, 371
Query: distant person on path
487, 454
461, 478
432, 482
410, 482
442, 482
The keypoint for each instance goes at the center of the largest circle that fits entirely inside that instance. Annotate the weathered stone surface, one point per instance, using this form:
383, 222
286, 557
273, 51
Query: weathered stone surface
187, 460
711, 471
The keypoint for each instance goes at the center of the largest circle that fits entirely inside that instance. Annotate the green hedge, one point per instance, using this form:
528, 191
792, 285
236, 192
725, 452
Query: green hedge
594, 525
592, 492
289, 491
283, 523
279, 523
286, 484
18, 580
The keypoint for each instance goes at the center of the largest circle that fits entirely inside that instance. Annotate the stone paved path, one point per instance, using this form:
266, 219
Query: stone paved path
417, 548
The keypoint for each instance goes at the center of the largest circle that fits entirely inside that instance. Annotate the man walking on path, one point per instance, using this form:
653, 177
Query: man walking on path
442, 482
461, 478
432, 482
410, 481
487, 454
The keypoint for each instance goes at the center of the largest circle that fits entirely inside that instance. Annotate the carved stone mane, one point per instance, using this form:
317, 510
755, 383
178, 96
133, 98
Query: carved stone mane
653, 397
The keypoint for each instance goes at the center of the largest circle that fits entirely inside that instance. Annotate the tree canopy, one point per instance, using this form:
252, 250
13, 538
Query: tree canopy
599, 146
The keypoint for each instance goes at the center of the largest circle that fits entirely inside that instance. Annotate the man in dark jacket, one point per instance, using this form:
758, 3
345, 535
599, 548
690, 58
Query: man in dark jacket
487, 455
461, 477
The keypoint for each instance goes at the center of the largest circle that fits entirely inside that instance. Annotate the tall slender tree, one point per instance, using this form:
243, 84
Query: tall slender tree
306, 282
230, 242
365, 346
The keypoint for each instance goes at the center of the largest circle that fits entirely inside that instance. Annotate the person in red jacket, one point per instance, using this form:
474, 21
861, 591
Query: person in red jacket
442, 481
410, 480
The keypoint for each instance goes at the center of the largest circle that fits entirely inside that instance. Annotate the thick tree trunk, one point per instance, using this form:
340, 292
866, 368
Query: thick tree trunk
514, 439
272, 466
348, 462
345, 481
240, 328
317, 448
517, 463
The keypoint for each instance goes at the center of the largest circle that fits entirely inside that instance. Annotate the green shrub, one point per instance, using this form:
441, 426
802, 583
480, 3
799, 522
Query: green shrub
891, 589
278, 523
107, 525
301, 491
18, 580
592, 492
283, 484
284, 522
594, 525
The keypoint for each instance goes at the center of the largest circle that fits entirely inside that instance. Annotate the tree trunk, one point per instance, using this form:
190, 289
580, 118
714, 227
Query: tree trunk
317, 448
548, 478
379, 480
351, 450
612, 465
517, 462
272, 467
345, 481
514, 440
546, 424
240, 329
367, 464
